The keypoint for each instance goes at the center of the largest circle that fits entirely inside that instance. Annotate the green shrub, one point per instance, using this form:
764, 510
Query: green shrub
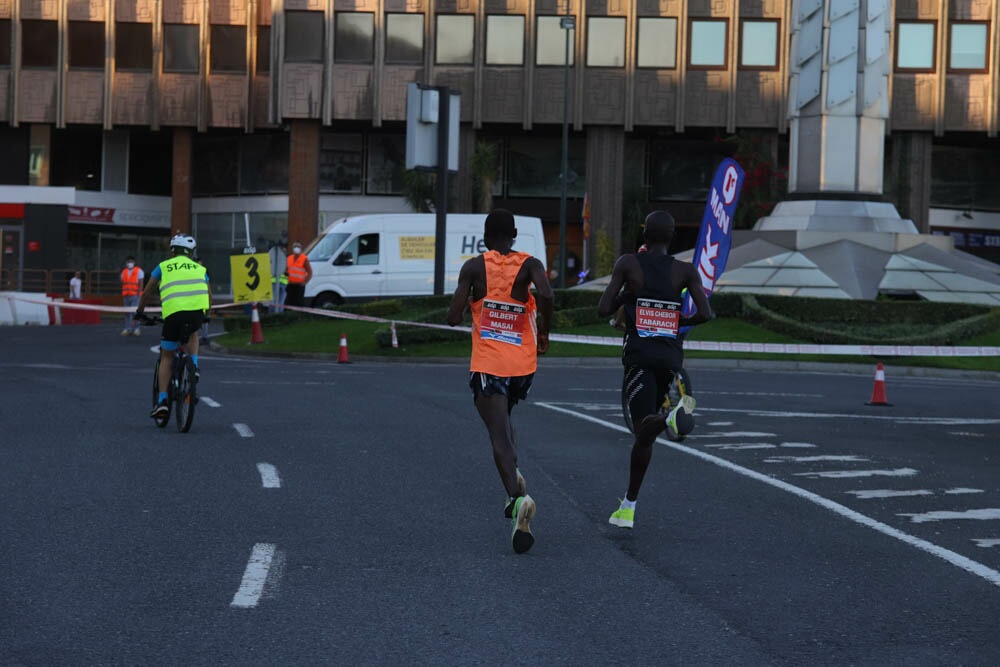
576, 317
382, 308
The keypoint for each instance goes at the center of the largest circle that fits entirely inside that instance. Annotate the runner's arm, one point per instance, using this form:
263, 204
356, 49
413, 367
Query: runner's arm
460, 301
704, 311
545, 301
612, 299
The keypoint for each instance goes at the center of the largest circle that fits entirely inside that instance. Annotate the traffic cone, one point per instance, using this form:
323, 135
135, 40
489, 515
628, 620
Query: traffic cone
392, 328
256, 333
878, 391
342, 357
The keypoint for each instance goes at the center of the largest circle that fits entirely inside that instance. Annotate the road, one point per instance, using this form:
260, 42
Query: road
323, 513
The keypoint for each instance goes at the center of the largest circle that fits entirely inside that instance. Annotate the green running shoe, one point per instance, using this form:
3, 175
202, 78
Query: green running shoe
680, 421
622, 517
524, 510
508, 510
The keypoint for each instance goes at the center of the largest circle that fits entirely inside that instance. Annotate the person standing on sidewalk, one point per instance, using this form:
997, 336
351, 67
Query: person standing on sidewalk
506, 342
649, 284
131, 278
299, 273
75, 287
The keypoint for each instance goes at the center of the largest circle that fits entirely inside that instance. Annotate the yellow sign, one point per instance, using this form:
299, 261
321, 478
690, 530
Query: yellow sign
416, 247
251, 277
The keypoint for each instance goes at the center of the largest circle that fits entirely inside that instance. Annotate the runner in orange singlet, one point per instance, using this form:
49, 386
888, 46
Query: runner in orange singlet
506, 341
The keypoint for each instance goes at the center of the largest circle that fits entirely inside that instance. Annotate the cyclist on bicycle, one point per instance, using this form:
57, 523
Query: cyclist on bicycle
185, 297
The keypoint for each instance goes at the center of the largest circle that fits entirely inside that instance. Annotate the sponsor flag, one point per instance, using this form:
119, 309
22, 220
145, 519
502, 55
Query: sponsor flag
716, 233
586, 216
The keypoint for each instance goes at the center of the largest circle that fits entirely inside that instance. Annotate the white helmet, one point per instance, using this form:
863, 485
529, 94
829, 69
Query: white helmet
183, 242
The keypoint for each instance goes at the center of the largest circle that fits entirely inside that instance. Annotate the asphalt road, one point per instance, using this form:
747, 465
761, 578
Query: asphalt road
323, 513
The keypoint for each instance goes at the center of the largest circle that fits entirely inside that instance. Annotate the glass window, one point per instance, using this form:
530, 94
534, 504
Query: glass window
454, 39
708, 44
303, 37
86, 44
264, 163
322, 247
759, 45
39, 43
550, 48
341, 168
180, 48
354, 40
657, 43
968, 46
534, 165
404, 38
14, 166
386, 163
965, 177
4, 42
215, 165
134, 46
361, 251
605, 41
263, 49
683, 170
150, 162
228, 48
76, 158
915, 47
504, 40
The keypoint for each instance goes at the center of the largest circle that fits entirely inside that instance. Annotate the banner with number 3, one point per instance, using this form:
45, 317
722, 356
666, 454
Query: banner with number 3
251, 275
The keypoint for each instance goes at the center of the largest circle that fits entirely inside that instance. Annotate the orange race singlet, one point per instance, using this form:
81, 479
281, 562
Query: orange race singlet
503, 329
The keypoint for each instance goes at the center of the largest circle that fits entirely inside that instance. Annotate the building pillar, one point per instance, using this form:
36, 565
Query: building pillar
180, 190
605, 188
910, 167
303, 181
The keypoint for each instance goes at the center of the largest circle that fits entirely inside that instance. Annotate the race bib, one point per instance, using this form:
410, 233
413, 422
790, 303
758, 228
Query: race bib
657, 318
503, 322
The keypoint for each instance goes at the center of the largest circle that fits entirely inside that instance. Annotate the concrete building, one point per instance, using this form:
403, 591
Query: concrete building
122, 120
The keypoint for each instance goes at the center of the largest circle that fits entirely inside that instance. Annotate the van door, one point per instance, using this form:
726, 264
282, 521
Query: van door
359, 268
410, 257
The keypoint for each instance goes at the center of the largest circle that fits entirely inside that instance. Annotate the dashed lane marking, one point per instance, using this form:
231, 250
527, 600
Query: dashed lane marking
985, 514
269, 478
209, 402
869, 494
987, 542
845, 458
841, 474
243, 430
732, 446
254, 576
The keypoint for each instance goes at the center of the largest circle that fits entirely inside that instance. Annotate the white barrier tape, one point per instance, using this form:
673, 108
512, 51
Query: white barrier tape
104, 309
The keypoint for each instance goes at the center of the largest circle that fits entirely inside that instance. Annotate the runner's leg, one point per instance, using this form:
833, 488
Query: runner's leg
493, 411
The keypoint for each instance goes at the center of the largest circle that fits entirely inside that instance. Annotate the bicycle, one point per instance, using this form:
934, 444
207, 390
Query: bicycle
182, 394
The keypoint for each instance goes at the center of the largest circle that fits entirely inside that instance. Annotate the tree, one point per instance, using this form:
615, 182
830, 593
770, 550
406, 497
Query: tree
484, 168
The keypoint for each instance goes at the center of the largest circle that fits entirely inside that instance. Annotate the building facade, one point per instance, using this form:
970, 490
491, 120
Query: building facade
255, 122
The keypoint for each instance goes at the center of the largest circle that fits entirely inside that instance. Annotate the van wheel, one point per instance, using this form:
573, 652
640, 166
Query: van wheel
327, 300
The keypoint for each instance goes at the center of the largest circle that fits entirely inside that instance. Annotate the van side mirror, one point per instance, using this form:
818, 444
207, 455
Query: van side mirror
344, 259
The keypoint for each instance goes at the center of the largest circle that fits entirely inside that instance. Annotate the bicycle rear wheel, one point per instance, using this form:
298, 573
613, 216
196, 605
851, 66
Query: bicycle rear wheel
160, 421
187, 395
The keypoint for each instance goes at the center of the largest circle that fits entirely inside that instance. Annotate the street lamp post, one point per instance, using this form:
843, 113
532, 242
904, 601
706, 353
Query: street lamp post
567, 23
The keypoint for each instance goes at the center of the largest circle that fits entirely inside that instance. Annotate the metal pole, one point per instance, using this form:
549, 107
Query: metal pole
567, 25
441, 207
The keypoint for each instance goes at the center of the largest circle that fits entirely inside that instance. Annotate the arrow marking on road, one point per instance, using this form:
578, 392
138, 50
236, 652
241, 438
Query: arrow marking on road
269, 478
254, 577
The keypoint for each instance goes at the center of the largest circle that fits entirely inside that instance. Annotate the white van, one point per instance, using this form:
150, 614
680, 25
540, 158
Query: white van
369, 256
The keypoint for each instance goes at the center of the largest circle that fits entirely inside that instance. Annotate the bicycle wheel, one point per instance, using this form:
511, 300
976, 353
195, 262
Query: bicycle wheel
160, 421
186, 397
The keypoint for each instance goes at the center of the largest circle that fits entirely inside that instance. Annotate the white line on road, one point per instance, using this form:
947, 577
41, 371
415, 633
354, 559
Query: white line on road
209, 402
987, 542
243, 430
798, 445
889, 493
743, 445
987, 514
269, 478
841, 474
254, 576
960, 490
811, 459
738, 434
947, 555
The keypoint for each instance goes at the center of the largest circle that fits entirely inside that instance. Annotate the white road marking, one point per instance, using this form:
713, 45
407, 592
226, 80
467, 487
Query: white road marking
961, 490
987, 514
889, 493
254, 576
243, 430
743, 445
720, 423
811, 459
947, 555
209, 402
713, 393
967, 434
739, 434
840, 474
987, 542
798, 445
269, 478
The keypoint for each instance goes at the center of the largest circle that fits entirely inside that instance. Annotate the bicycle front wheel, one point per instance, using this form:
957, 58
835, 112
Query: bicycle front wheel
162, 420
187, 396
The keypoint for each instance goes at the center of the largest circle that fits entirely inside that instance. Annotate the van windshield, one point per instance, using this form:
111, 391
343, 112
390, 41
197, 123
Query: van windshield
324, 247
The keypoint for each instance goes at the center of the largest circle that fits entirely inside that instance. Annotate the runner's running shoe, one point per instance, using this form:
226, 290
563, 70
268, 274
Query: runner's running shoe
521, 538
622, 517
508, 511
680, 421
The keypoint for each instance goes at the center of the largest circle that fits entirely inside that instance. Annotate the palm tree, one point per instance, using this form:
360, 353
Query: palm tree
484, 170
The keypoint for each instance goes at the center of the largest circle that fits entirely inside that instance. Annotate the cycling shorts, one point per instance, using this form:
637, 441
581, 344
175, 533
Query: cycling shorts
177, 328
514, 388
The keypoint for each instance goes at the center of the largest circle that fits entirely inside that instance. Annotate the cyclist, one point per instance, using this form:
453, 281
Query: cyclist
185, 297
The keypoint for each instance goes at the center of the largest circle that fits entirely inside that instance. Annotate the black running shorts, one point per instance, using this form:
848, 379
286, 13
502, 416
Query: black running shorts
643, 391
178, 327
514, 388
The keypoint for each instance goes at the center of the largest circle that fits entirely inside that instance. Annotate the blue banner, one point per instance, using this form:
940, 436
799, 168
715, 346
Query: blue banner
716, 233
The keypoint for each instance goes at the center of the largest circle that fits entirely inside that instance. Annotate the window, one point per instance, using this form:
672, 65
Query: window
303, 37
657, 43
39, 43
965, 178
968, 46
180, 48
605, 42
534, 165
4, 42
550, 48
228, 48
76, 157
504, 40
707, 45
386, 163
683, 170
134, 46
86, 44
263, 49
404, 39
150, 163
361, 251
759, 45
354, 40
915, 49
215, 166
454, 39
340, 163
264, 163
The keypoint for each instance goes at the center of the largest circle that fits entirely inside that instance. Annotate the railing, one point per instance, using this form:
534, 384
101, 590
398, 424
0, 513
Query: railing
105, 285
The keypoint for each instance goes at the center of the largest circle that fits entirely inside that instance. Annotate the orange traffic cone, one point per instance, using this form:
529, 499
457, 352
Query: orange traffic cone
256, 333
392, 328
342, 357
878, 391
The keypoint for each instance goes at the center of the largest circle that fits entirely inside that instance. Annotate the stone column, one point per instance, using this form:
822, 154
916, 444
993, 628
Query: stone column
910, 167
303, 180
180, 190
605, 186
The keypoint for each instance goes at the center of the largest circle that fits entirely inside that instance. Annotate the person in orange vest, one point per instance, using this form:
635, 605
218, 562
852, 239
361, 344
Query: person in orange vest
506, 341
131, 277
299, 272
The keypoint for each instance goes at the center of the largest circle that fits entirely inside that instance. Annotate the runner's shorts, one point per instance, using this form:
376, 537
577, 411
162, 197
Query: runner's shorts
178, 327
514, 388
643, 391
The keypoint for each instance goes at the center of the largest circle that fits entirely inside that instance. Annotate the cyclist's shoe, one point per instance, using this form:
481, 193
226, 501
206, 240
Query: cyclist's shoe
524, 510
136, 332
622, 517
126, 332
508, 511
162, 409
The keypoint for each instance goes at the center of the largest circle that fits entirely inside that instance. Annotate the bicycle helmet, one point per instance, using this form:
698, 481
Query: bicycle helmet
183, 243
